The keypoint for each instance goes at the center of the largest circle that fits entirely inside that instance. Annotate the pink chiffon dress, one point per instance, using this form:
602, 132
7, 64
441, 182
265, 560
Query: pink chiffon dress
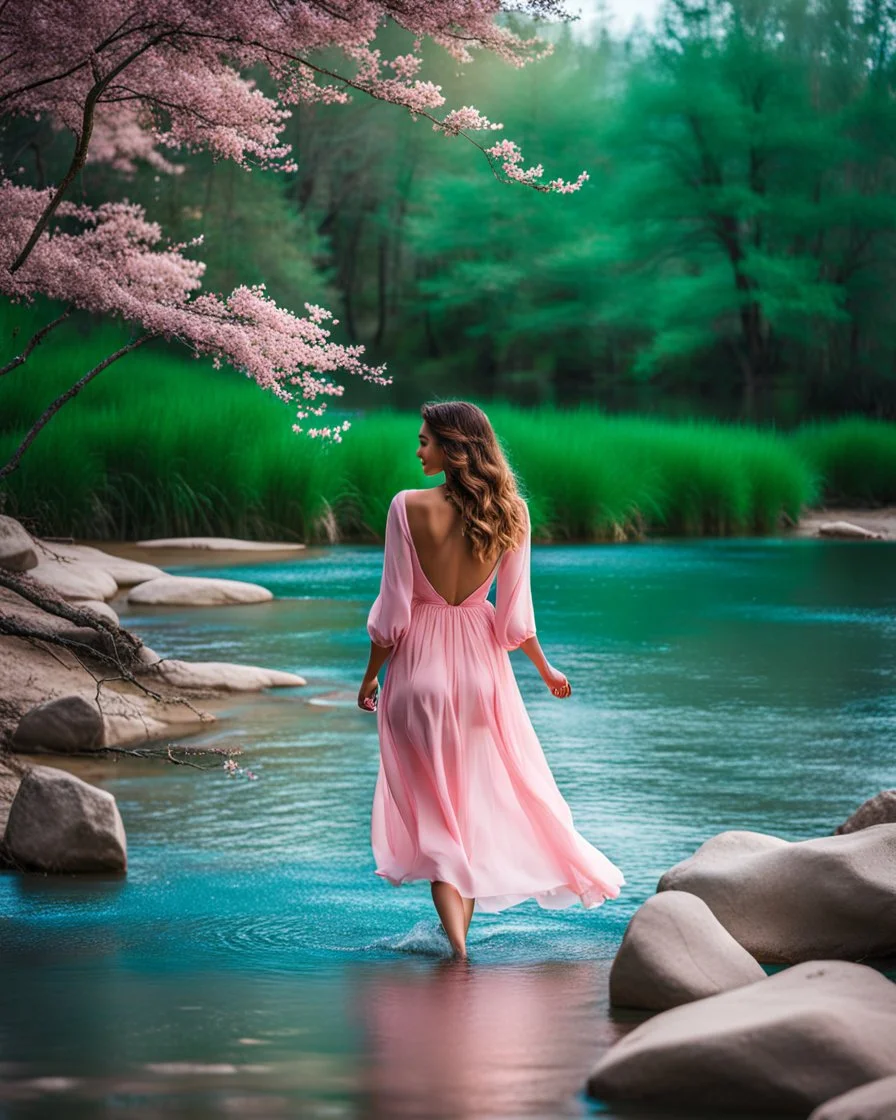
464, 793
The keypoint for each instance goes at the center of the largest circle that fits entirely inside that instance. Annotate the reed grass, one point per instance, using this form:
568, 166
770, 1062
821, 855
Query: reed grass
164, 445
855, 458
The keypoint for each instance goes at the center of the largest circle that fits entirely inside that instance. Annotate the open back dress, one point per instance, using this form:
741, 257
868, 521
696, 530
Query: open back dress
464, 793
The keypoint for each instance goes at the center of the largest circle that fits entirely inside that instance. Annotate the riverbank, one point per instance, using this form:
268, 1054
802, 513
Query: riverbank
73, 679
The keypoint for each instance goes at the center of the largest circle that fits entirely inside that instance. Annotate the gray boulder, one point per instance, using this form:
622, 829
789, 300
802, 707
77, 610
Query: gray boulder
75, 580
199, 591
675, 951
786, 1043
125, 572
59, 823
831, 896
67, 725
222, 675
17, 549
880, 809
874, 1101
219, 544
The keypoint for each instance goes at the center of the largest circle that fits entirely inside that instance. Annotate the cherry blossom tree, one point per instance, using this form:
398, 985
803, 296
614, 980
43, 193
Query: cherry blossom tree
131, 80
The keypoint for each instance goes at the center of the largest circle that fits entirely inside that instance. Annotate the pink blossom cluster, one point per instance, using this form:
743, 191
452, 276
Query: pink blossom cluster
105, 260
175, 69
465, 119
233, 768
112, 262
126, 79
121, 136
511, 157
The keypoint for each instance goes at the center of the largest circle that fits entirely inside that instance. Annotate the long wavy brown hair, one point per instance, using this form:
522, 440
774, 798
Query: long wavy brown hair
479, 481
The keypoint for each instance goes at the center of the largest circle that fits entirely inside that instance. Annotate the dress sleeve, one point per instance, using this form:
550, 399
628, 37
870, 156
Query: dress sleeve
514, 613
391, 611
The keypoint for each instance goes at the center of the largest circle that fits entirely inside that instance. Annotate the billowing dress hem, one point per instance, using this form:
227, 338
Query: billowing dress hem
560, 897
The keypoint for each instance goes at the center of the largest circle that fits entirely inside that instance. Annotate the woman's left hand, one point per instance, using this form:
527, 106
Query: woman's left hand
367, 694
556, 682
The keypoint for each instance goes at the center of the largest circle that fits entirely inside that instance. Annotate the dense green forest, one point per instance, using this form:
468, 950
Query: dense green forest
732, 254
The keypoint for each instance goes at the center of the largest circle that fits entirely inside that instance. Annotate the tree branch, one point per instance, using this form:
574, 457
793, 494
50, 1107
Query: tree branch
80, 154
34, 341
36, 593
52, 409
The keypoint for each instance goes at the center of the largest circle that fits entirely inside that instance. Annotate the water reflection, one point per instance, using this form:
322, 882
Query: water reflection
462, 1041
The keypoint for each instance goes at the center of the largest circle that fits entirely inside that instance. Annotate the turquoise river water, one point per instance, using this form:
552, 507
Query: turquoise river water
250, 963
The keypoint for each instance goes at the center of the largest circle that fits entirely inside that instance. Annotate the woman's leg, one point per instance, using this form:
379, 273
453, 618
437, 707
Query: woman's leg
451, 909
468, 912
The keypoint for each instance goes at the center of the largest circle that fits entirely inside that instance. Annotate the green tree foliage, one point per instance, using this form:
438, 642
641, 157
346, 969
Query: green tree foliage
744, 151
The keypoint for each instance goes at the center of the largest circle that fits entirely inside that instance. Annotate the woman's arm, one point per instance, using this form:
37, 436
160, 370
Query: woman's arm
515, 613
390, 614
379, 655
553, 678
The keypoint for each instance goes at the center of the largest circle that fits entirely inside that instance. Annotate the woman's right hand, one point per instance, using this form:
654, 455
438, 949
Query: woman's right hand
557, 682
367, 694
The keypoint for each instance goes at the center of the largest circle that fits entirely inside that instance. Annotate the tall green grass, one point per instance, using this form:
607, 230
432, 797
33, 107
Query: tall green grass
163, 445
855, 458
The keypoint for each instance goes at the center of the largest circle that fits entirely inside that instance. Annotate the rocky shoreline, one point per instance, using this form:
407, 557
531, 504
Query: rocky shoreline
819, 1035
76, 683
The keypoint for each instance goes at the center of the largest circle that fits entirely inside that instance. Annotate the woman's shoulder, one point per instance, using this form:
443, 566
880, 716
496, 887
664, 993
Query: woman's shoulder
428, 496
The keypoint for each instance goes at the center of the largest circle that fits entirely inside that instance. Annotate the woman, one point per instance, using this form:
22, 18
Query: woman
464, 796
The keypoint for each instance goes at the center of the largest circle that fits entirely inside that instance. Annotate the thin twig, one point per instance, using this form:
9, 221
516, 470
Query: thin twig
52, 409
35, 340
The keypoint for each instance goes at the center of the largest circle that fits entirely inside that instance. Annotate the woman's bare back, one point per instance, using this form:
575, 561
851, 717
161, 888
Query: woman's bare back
443, 552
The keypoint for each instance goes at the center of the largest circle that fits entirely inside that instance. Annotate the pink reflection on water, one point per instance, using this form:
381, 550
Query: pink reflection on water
465, 1040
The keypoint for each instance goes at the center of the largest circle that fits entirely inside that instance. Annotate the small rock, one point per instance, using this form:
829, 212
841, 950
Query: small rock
75, 580
845, 530
874, 1101
126, 573
17, 549
224, 675
67, 725
154, 722
831, 896
186, 591
675, 951
57, 822
786, 1043
880, 809
100, 608
220, 544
